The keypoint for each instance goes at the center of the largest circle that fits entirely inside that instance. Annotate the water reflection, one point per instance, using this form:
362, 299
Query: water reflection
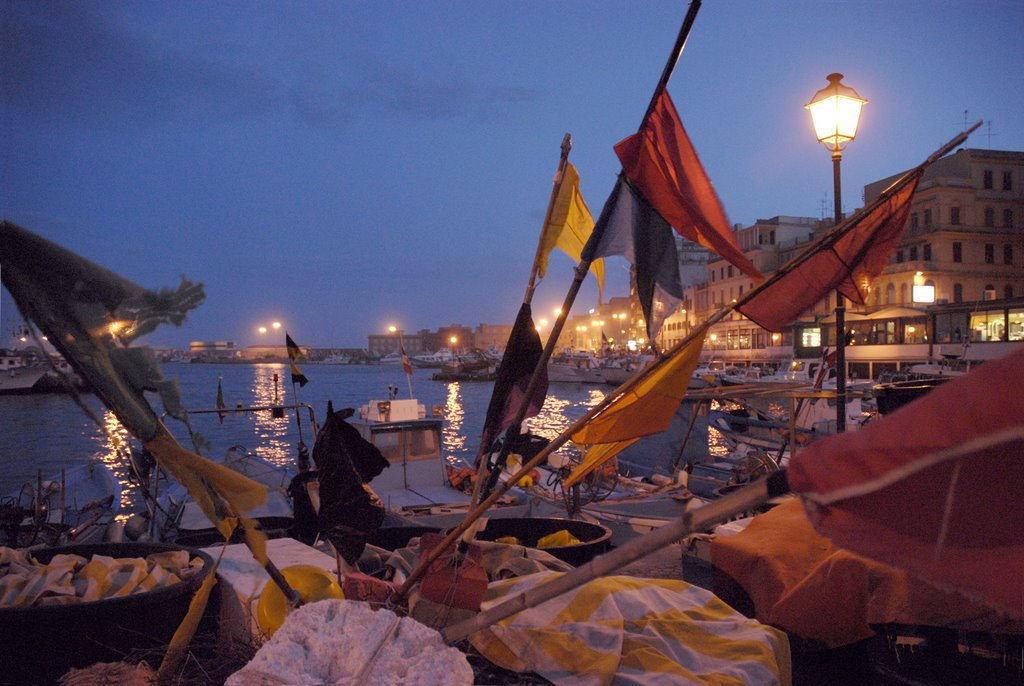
271, 441
453, 439
113, 453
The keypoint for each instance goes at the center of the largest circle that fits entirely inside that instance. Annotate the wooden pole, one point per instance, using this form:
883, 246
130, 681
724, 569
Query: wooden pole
693, 521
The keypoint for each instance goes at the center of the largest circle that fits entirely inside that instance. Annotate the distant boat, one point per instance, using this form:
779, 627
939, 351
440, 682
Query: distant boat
391, 358
575, 367
433, 360
18, 375
337, 359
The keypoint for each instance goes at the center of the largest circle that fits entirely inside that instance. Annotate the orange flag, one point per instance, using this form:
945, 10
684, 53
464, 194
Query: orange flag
648, 407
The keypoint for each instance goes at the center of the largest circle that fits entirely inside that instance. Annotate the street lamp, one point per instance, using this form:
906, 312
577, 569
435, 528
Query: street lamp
835, 113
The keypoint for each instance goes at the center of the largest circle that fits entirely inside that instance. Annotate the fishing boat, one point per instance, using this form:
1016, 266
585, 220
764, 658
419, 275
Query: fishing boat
434, 360
18, 375
173, 516
575, 367
76, 505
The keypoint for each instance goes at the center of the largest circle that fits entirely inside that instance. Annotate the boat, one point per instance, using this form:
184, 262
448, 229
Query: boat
434, 360
19, 375
173, 516
575, 367
391, 358
76, 505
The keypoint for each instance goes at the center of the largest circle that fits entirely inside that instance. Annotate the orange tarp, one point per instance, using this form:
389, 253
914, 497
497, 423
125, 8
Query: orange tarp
800, 582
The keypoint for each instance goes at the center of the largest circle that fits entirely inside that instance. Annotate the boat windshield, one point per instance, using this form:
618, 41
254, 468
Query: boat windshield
407, 443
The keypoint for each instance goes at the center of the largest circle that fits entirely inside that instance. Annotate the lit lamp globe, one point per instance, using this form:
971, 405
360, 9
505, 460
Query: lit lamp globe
835, 113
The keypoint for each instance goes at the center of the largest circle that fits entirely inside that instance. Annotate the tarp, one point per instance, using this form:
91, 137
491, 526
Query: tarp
803, 583
935, 487
626, 630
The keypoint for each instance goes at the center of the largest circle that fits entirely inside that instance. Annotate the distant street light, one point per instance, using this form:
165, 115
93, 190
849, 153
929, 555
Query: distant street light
835, 113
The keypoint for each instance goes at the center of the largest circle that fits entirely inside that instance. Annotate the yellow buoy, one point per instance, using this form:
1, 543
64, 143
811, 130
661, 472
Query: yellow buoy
312, 583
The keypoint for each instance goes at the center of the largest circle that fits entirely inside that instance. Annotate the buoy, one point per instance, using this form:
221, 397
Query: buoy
313, 583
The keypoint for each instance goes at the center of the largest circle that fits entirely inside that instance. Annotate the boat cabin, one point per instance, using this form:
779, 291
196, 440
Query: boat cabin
411, 443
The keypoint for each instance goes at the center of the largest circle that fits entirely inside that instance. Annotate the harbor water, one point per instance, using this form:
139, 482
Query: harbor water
42, 433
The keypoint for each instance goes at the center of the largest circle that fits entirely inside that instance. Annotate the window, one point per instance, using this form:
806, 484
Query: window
958, 251
771, 237
958, 292
1008, 291
1007, 253
954, 216
730, 271
1007, 218
987, 180
927, 250
890, 294
1007, 181
903, 293
927, 218
899, 256
913, 220
990, 253
913, 253
990, 216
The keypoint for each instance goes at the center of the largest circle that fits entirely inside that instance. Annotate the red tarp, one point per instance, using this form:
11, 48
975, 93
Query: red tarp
936, 488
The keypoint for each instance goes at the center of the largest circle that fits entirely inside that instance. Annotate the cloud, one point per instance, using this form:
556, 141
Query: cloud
87, 64
72, 63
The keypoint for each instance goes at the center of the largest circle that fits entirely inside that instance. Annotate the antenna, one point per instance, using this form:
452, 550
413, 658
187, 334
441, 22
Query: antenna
988, 126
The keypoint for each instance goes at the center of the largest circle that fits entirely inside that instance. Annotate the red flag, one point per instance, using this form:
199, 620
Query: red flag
662, 164
934, 488
406, 362
854, 256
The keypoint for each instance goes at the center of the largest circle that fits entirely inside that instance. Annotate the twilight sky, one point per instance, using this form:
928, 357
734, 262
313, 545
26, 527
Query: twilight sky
343, 166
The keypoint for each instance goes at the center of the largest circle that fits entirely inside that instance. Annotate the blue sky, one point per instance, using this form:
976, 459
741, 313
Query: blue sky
343, 166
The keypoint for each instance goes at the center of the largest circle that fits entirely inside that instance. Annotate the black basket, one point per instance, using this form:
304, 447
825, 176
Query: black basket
39, 644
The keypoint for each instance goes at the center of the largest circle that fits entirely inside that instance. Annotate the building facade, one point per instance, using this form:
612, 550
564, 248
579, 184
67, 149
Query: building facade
964, 243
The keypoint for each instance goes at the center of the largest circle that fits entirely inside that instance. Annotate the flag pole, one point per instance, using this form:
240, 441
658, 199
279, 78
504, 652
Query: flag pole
484, 475
692, 521
302, 459
581, 269
556, 188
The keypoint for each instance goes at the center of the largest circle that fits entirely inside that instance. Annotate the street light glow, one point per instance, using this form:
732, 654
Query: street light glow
835, 113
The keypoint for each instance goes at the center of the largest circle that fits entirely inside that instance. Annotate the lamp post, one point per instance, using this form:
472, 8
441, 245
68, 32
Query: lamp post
835, 113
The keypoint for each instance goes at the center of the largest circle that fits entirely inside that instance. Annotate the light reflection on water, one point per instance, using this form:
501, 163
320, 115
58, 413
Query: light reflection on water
453, 439
42, 433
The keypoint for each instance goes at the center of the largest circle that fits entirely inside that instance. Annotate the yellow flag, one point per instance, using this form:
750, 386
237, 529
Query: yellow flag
223, 494
570, 226
649, 406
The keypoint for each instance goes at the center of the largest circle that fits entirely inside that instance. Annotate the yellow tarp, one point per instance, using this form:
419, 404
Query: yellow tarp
627, 630
71, 579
